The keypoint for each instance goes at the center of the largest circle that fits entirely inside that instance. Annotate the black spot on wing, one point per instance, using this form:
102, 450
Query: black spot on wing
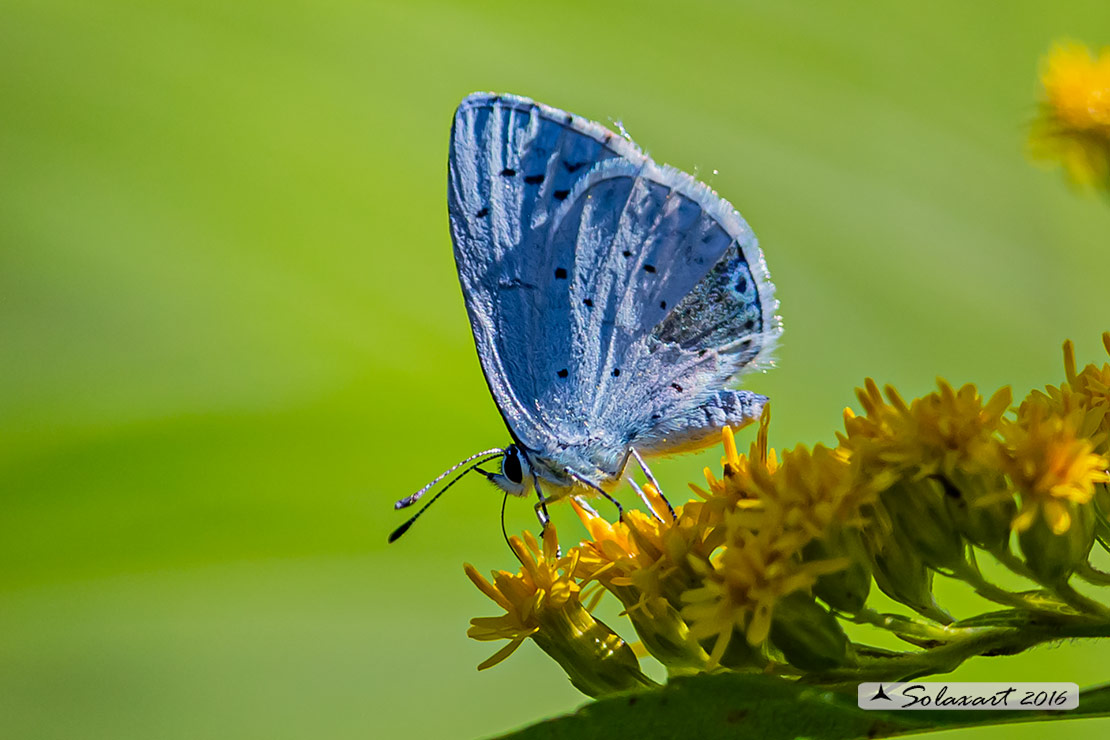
533, 179
649, 268
588, 302
560, 273
562, 373
482, 213
560, 194
508, 172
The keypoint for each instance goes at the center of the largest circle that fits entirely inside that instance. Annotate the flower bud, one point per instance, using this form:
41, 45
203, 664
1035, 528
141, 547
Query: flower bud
741, 655
666, 636
980, 508
807, 634
844, 590
921, 518
901, 574
1052, 556
595, 658
1102, 515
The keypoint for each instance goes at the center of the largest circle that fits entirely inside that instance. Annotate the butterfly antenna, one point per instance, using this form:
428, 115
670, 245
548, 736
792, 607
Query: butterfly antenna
405, 527
410, 500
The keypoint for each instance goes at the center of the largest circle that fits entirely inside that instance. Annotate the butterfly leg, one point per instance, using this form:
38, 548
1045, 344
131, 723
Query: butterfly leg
586, 506
544, 517
541, 509
599, 489
643, 497
652, 481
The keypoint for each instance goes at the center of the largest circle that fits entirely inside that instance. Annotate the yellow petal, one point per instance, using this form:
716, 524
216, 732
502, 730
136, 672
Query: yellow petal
719, 647
500, 655
486, 587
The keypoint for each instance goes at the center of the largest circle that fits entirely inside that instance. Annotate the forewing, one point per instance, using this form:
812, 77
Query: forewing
513, 163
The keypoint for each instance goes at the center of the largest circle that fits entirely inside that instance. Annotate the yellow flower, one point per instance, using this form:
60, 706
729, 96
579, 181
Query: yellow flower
742, 585
785, 529
643, 553
1052, 466
735, 489
944, 433
1074, 123
645, 562
537, 587
542, 602
1086, 392
943, 451
814, 491
1077, 84
781, 549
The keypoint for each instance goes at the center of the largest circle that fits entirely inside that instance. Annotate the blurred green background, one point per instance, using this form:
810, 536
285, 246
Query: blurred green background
231, 333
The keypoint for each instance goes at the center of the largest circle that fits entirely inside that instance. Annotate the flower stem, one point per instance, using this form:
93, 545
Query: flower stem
1078, 601
903, 625
947, 657
1093, 575
971, 575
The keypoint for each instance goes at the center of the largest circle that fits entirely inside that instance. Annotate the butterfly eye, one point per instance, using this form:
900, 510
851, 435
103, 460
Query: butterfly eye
510, 467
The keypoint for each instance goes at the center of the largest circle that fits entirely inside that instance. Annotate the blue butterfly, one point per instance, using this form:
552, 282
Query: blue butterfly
611, 299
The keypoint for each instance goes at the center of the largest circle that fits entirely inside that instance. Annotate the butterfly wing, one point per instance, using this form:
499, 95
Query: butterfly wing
608, 296
513, 163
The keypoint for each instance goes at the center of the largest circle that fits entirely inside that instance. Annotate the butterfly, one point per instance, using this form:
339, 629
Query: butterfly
612, 300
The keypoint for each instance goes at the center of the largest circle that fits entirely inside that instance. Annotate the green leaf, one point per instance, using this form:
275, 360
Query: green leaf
731, 705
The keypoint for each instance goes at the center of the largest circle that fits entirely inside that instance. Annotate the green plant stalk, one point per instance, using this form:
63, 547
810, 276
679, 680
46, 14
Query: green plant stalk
948, 656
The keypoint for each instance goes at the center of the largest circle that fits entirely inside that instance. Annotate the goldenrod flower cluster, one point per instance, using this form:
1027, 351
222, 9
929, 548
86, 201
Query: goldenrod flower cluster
1073, 126
542, 602
771, 561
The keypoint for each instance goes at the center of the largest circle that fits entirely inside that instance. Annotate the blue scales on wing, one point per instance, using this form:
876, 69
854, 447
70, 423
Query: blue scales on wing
612, 299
